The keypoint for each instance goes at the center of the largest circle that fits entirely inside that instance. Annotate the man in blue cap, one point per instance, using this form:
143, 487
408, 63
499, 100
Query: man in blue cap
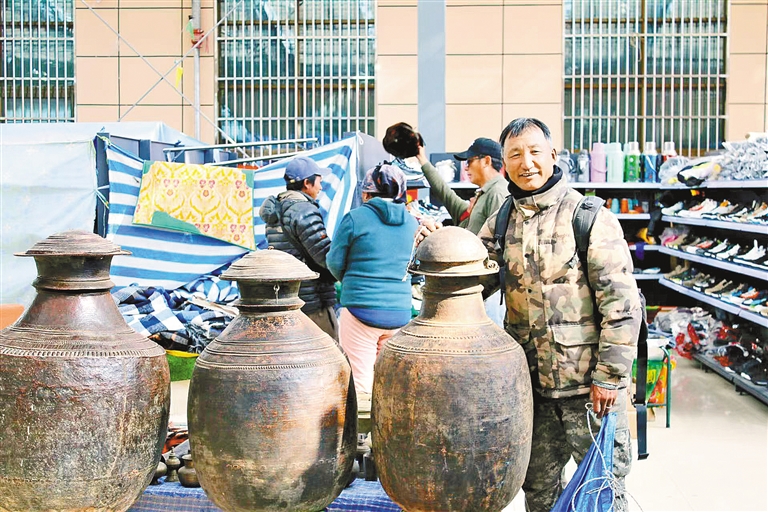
294, 225
484, 164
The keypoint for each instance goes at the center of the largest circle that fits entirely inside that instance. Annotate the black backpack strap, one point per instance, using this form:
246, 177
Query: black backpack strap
641, 378
583, 219
499, 234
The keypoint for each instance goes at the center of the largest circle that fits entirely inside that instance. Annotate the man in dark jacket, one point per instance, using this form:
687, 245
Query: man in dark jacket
294, 225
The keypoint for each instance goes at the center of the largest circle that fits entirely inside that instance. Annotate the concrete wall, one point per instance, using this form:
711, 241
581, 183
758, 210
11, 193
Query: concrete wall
747, 86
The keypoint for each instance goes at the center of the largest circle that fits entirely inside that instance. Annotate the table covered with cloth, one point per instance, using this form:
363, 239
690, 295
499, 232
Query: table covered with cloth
361, 496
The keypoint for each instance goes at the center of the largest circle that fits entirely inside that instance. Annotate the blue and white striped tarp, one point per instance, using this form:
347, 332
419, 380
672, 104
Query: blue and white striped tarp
159, 257
169, 259
338, 188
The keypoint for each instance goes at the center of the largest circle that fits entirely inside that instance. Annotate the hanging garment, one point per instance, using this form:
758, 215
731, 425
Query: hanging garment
590, 488
205, 200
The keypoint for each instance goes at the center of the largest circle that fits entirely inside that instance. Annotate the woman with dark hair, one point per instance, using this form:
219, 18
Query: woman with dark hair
369, 255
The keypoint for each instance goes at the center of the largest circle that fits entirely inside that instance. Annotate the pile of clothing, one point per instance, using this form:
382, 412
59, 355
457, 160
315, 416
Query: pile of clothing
187, 318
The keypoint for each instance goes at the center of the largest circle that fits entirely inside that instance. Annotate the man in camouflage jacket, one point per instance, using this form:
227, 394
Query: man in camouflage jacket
551, 313
294, 225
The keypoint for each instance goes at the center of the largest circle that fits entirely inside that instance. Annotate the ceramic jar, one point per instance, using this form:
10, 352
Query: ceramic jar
78, 385
271, 407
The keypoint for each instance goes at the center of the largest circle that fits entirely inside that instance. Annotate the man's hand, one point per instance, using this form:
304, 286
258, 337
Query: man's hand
602, 400
422, 156
426, 227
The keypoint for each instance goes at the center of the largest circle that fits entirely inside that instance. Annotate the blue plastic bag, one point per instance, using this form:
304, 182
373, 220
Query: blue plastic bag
590, 488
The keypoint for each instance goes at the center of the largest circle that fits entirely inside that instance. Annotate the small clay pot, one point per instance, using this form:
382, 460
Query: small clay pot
161, 470
188, 474
173, 463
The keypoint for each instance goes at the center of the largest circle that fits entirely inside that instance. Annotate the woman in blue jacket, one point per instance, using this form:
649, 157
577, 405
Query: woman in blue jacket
369, 255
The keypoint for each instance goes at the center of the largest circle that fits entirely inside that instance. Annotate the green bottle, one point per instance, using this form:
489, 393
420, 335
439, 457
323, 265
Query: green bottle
632, 158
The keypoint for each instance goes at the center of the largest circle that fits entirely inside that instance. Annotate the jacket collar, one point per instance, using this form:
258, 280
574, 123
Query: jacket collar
492, 183
295, 195
531, 205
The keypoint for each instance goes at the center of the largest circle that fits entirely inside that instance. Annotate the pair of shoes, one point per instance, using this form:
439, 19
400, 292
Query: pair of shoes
705, 206
756, 253
715, 290
729, 252
683, 276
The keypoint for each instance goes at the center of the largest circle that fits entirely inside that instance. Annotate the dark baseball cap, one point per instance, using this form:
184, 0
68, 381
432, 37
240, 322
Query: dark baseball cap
481, 147
301, 168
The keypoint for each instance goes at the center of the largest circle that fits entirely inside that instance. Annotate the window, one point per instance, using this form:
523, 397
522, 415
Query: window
645, 70
295, 68
37, 79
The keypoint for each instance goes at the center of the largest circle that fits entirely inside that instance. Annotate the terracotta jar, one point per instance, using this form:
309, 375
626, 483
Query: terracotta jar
452, 404
271, 408
84, 399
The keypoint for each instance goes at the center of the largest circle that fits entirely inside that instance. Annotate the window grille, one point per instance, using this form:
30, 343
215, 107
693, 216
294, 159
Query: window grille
290, 69
645, 70
37, 79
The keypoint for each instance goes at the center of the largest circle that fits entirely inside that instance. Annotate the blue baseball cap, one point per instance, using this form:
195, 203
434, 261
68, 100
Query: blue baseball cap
301, 168
481, 147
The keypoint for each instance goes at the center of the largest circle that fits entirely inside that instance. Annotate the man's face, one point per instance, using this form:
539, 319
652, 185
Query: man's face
312, 189
475, 169
529, 159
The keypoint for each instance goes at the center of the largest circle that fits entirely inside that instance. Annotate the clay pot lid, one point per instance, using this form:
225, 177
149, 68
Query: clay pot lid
452, 252
74, 243
270, 266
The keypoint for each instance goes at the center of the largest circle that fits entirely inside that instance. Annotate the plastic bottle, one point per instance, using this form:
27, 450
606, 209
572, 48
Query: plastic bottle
582, 165
632, 162
615, 163
668, 150
597, 163
650, 171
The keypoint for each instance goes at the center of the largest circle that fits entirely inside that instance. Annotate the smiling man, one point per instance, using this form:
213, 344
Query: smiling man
578, 325
483, 167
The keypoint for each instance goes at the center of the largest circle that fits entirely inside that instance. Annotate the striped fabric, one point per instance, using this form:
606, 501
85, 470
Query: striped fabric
169, 259
160, 258
338, 187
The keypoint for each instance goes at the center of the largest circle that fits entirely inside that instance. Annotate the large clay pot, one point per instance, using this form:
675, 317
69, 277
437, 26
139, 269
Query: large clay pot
84, 399
271, 407
452, 405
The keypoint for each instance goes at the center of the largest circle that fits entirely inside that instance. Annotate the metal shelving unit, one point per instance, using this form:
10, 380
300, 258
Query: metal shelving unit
742, 385
616, 186
646, 248
714, 262
633, 216
712, 301
760, 229
659, 186
647, 277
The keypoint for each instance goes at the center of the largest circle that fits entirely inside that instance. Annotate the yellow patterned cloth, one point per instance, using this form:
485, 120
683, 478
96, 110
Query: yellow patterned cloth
201, 199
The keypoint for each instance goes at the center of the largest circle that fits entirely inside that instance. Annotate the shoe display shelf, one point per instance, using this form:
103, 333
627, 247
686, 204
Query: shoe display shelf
728, 307
714, 262
760, 229
741, 384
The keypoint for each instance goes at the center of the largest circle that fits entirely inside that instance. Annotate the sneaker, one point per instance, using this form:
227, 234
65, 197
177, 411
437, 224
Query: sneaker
722, 285
672, 210
729, 253
718, 248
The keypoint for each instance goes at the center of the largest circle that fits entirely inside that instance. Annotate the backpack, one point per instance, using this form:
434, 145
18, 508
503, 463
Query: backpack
583, 219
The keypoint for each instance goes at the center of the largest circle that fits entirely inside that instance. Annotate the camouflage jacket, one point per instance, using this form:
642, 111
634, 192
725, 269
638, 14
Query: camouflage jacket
550, 310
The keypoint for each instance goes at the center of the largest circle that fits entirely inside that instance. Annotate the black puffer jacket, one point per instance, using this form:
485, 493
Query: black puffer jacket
299, 214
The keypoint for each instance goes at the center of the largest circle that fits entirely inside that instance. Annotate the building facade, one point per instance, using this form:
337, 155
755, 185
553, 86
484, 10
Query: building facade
592, 69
